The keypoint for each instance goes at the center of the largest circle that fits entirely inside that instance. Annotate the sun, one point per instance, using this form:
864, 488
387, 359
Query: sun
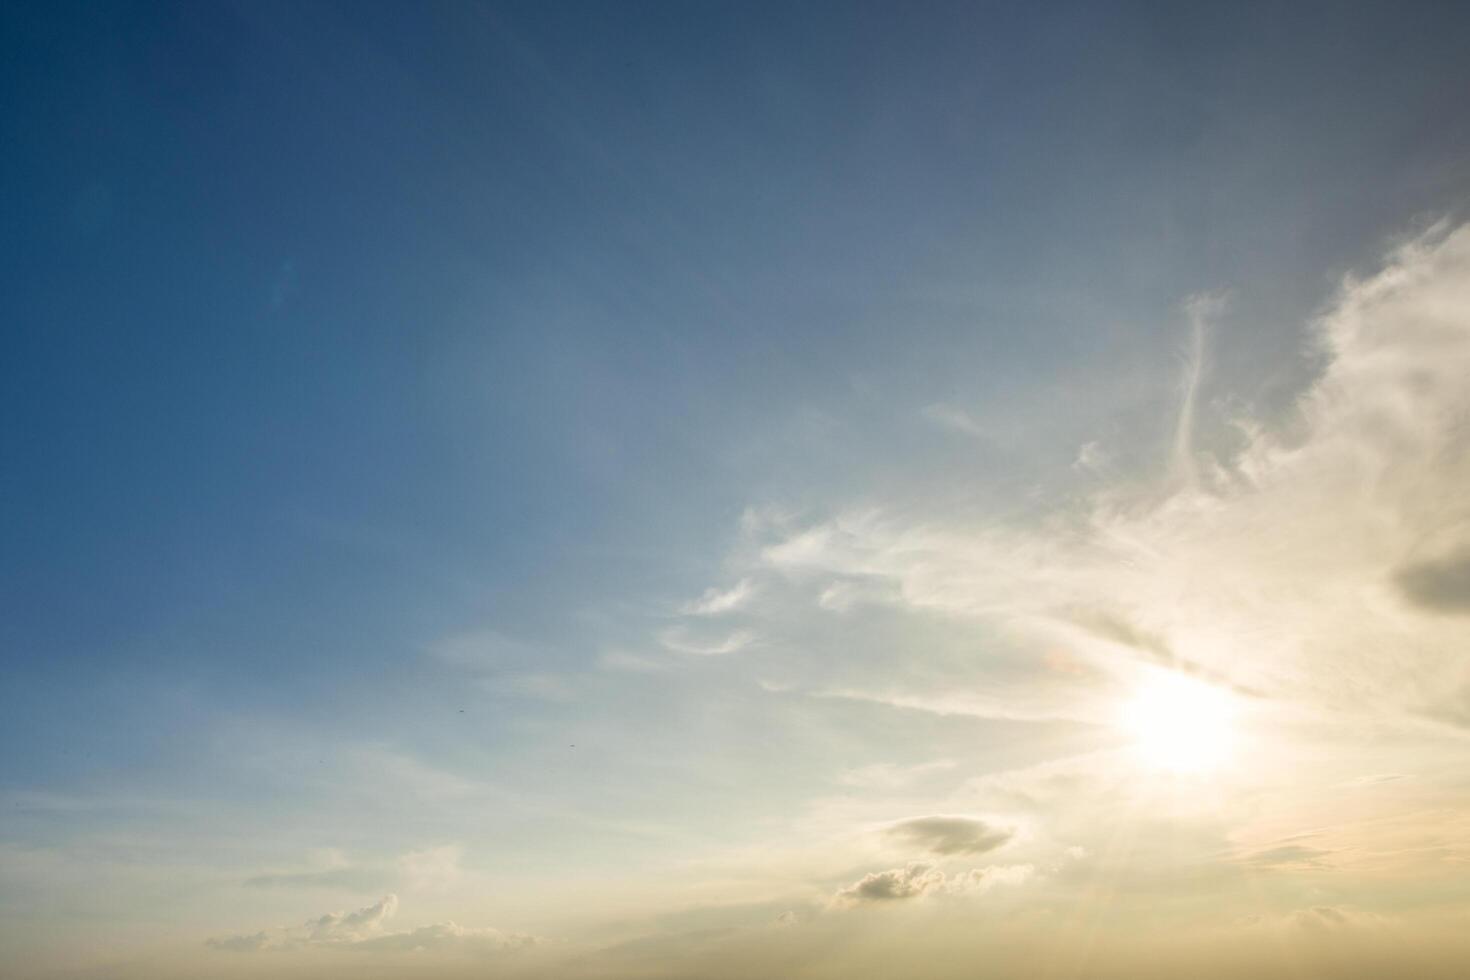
1178, 724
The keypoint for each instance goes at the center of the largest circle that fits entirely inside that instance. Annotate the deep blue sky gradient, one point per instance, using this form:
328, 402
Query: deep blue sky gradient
329, 329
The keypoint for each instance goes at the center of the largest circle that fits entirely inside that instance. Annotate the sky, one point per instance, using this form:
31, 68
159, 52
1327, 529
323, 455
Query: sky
658, 490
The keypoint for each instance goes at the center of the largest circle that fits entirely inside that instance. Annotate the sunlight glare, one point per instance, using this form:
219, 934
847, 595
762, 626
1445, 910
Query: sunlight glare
1179, 724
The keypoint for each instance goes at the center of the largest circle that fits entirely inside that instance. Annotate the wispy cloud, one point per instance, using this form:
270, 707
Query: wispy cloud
365, 929
715, 602
1279, 569
681, 639
954, 419
1201, 309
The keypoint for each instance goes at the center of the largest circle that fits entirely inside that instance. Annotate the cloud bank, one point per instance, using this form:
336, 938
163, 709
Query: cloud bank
364, 929
1321, 561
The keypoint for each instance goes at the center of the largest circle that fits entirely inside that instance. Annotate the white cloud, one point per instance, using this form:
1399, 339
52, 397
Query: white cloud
1291, 568
348, 927
844, 595
683, 640
715, 602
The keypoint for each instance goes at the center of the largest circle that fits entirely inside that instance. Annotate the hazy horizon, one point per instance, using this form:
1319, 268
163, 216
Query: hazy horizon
618, 490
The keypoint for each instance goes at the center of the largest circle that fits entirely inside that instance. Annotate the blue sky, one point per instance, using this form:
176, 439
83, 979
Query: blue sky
519, 441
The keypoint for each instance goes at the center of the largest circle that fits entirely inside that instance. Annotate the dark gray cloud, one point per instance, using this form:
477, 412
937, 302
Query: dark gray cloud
950, 835
1439, 585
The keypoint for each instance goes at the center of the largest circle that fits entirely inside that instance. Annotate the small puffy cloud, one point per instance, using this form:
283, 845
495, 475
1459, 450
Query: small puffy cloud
353, 926
946, 835
715, 602
918, 878
914, 879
